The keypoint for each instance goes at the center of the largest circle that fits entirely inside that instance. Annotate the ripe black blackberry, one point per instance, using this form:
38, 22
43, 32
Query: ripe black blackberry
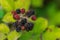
18, 11
30, 13
18, 29
27, 29
23, 21
29, 26
15, 24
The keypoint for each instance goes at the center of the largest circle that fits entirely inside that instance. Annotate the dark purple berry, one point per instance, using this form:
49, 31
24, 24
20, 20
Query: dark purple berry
23, 21
18, 29
29, 26
30, 13
15, 24
18, 11
27, 29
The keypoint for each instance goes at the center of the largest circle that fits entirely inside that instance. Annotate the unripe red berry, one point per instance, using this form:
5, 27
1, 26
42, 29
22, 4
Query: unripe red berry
33, 18
22, 11
14, 12
22, 28
17, 17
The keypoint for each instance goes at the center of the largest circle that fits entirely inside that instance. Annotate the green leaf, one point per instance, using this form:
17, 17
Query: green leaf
13, 35
1, 12
25, 36
22, 4
8, 18
51, 35
37, 3
6, 5
4, 28
2, 36
11, 2
40, 25
48, 36
29, 36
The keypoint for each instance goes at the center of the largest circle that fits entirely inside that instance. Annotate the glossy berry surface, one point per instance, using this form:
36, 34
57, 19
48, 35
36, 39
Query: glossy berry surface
18, 11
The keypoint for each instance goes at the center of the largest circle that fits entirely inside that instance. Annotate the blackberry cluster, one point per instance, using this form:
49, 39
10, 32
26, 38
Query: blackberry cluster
22, 17
27, 26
